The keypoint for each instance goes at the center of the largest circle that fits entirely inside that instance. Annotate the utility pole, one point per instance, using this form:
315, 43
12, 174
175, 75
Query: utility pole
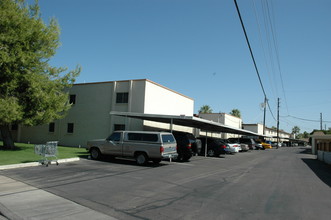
321, 121
278, 123
265, 107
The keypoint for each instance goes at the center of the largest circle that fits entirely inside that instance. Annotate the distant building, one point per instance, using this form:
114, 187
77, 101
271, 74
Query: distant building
222, 118
89, 116
269, 132
321, 146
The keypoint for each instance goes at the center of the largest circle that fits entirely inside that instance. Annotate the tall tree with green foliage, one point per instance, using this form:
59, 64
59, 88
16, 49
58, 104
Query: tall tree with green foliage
295, 130
31, 91
236, 112
205, 109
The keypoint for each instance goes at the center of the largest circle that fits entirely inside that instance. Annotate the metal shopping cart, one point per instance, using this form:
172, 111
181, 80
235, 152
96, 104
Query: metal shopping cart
48, 150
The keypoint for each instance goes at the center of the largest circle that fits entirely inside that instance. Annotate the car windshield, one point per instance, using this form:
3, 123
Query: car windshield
114, 137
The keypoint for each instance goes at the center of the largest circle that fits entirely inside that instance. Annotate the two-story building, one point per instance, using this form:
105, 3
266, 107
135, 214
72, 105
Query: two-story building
222, 118
89, 116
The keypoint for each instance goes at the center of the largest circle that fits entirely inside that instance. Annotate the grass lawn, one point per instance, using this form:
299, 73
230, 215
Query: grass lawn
25, 154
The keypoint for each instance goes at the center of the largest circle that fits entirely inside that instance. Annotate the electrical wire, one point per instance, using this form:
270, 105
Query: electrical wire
304, 119
252, 56
250, 49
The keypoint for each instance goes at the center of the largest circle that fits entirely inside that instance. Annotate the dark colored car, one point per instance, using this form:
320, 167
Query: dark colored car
215, 147
187, 145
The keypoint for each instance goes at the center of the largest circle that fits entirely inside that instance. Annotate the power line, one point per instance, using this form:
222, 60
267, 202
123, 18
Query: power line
274, 37
252, 55
304, 119
250, 49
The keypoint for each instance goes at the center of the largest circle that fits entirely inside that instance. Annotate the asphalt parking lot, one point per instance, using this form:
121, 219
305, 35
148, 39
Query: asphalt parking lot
283, 183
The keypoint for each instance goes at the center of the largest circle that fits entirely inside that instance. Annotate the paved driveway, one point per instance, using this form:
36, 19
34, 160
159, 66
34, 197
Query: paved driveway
273, 184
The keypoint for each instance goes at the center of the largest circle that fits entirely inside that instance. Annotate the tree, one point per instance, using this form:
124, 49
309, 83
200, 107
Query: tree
236, 112
295, 130
31, 91
205, 109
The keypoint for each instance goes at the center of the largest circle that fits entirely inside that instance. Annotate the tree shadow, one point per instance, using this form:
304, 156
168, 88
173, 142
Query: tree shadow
2, 148
322, 170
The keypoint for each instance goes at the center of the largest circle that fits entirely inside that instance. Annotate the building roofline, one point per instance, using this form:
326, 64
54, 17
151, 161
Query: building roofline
146, 80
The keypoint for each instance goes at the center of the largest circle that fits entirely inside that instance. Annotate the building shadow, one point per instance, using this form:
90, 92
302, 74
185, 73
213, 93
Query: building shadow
321, 169
305, 150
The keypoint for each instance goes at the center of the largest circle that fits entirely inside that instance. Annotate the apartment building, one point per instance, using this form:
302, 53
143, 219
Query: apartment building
269, 132
89, 116
222, 118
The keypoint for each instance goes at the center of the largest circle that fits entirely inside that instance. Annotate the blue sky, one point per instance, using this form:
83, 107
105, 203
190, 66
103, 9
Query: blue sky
198, 48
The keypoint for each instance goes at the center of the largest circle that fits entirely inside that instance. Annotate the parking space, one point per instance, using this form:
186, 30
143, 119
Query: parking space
250, 185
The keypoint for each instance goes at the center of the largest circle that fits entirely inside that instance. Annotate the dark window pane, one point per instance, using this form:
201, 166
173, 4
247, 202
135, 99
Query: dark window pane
122, 97
70, 128
119, 127
72, 99
134, 137
150, 137
51, 127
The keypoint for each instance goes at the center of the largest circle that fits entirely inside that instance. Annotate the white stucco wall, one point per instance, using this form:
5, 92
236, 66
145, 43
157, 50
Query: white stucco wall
161, 100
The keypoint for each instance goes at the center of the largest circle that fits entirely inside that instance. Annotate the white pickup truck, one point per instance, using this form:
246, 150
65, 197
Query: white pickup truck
141, 145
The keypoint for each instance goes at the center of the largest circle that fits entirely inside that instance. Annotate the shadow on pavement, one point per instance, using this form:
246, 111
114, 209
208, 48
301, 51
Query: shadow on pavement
305, 150
130, 162
322, 170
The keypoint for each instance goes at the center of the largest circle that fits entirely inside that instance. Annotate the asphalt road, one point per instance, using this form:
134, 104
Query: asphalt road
285, 183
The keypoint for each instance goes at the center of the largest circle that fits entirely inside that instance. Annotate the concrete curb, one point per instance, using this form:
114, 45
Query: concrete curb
32, 164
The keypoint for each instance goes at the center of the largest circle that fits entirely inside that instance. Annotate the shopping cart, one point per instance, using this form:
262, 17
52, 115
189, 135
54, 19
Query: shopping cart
48, 150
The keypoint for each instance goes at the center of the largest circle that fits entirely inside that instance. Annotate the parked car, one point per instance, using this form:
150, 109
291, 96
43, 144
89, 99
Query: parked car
249, 141
258, 145
141, 145
266, 145
215, 147
231, 148
277, 145
243, 146
187, 145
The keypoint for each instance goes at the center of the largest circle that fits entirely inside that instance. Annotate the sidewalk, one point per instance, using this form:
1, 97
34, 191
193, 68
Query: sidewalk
21, 201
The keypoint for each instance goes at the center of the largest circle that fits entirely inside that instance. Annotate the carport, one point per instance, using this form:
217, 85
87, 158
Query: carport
188, 121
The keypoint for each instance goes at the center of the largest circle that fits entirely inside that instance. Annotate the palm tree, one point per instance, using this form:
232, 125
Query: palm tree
235, 112
205, 109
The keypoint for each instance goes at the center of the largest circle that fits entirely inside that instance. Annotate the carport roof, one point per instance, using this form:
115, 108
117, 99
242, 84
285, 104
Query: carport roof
189, 121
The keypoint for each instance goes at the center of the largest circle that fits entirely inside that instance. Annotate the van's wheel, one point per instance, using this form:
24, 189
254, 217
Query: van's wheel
141, 158
95, 153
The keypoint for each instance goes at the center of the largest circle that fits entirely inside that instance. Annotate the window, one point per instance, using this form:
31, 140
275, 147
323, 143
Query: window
119, 127
72, 99
150, 137
122, 97
70, 128
142, 137
51, 127
114, 137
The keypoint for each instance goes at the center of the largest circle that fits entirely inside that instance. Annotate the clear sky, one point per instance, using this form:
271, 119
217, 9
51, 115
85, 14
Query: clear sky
198, 48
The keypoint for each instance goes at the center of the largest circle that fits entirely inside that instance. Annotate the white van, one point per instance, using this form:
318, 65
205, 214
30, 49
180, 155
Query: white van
143, 146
